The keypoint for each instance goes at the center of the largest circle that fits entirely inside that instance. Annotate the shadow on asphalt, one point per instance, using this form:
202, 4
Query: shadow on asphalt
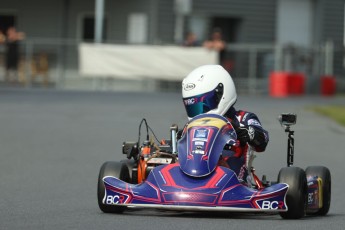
215, 215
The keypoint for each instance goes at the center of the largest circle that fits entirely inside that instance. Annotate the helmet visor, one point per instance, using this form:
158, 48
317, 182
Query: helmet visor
200, 104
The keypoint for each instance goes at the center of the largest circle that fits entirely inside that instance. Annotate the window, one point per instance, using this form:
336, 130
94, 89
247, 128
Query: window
137, 28
229, 27
6, 21
88, 28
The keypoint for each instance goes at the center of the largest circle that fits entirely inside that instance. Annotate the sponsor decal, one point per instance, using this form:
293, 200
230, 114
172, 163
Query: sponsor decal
201, 133
205, 121
116, 199
190, 101
254, 122
199, 143
200, 139
310, 198
197, 151
189, 86
266, 204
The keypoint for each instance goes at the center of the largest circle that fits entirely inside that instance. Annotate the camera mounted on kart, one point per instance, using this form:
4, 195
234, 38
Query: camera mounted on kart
286, 120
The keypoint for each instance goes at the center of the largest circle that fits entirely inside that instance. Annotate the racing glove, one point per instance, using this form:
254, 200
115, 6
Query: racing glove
250, 134
244, 134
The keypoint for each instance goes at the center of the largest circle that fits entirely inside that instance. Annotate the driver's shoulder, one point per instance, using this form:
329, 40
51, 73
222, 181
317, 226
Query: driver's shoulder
244, 116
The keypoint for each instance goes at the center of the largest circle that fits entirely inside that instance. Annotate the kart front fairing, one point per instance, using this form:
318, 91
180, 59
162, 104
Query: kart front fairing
204, 139
168, 187
196, 182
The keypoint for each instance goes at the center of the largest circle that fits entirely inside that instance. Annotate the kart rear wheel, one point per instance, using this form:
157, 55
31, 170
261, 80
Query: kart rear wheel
325, 175
115, 169
296, 195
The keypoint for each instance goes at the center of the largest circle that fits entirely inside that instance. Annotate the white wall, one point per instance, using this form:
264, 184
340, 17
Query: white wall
295, 22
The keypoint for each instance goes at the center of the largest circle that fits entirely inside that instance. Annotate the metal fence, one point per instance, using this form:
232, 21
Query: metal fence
54, 63
43, 61
251, 64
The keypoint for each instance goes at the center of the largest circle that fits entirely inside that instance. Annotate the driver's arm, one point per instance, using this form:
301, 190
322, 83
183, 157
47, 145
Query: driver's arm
250, 131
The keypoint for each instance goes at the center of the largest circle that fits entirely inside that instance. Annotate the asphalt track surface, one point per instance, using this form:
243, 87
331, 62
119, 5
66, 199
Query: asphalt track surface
53, 143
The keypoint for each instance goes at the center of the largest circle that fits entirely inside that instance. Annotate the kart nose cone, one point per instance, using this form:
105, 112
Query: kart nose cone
200, 147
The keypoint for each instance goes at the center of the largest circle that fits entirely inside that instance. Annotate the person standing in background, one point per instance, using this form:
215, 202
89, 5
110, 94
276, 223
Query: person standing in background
2, 37
191, 40
12, 53
2, 40
217, 43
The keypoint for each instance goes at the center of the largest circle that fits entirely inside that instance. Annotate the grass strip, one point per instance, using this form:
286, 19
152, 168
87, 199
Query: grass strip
335, 112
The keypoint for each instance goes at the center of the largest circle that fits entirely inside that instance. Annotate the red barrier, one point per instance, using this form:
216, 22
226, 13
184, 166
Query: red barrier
279, 84
328, 85
296, 84
283, 84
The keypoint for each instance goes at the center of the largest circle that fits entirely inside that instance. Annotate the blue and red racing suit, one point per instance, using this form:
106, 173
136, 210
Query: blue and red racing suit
255, 136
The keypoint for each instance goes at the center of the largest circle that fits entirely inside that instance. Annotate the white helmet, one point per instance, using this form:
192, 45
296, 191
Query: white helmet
208, 89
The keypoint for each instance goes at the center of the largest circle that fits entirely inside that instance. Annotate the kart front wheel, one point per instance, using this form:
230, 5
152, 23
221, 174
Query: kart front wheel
296, 195
114, 169
325, 175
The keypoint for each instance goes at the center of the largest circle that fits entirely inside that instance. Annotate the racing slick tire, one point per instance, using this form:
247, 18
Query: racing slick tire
131, 165
296, 197
115, 169
325, 175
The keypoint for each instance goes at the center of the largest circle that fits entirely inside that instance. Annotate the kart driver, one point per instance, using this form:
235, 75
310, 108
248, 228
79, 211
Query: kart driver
212, 90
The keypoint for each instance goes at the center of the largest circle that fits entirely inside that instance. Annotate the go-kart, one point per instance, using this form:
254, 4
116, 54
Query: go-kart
185, 174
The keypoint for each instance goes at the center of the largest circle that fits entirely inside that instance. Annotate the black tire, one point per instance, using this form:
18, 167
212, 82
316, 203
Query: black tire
325, 175
130, 165
296, 197
115, 169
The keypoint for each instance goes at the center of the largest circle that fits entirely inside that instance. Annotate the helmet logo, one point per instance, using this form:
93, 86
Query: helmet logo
190, 101
189, 86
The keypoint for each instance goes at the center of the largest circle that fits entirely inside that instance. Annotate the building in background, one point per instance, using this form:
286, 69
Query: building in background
56, 26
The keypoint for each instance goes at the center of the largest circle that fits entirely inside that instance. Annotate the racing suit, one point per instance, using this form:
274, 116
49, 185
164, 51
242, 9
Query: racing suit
249, 132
